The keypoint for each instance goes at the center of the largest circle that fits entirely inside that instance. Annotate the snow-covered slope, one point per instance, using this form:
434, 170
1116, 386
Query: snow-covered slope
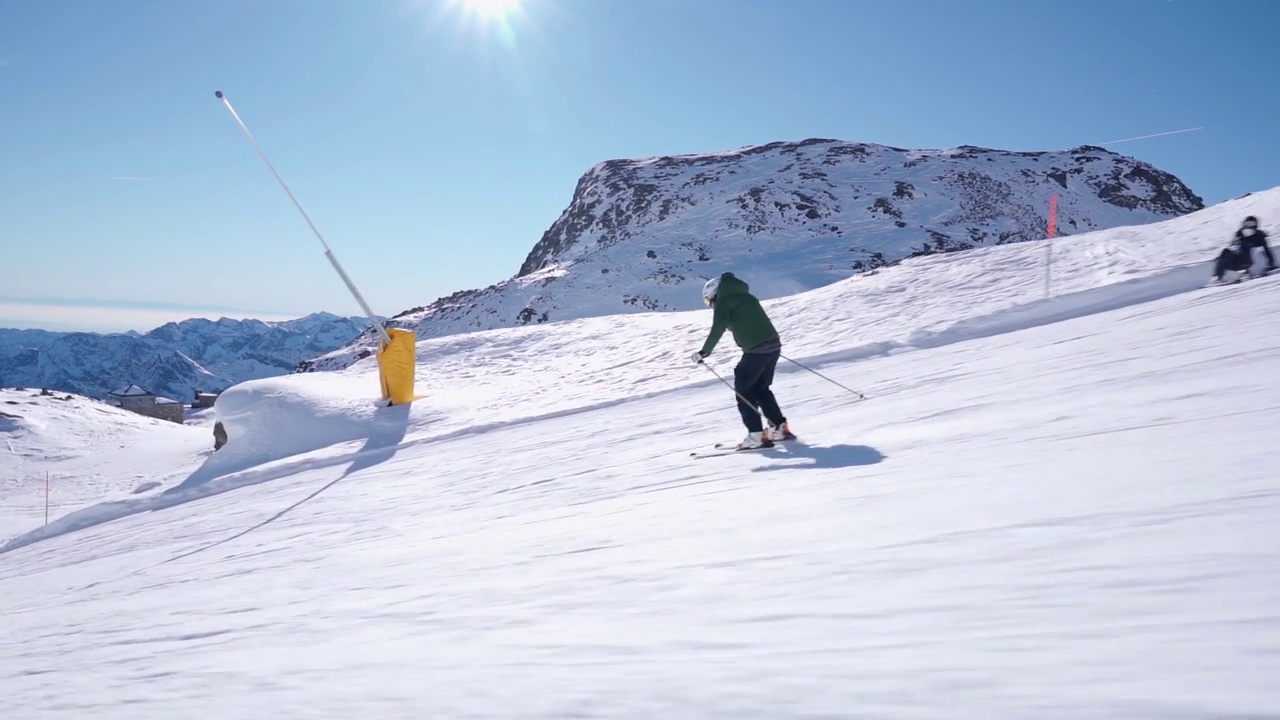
643, 235
174, 360
90, 452
1056, 507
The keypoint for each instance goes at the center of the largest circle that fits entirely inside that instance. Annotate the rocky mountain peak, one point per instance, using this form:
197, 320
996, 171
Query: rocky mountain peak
643, 234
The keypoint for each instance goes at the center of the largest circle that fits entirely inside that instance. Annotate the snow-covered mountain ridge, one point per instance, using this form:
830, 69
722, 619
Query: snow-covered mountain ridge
175, 359
642, 235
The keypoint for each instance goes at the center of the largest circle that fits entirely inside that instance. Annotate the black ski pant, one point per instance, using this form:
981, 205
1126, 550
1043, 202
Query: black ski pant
1242, 260
1229, 259
752, 378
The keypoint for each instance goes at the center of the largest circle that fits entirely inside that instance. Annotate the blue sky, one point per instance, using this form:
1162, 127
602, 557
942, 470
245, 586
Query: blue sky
433, 147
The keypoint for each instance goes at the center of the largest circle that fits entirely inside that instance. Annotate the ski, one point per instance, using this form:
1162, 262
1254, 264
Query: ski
734, 446
1239, 278
720, 449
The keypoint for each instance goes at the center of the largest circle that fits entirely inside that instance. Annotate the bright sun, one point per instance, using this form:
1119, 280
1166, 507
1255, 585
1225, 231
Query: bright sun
492, 9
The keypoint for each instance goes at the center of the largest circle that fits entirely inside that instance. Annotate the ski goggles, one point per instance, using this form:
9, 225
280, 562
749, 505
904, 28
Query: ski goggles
1249, 225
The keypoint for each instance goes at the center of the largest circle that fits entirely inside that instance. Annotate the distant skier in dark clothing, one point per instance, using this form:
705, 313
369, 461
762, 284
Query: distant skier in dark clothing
738, 311
1238, 256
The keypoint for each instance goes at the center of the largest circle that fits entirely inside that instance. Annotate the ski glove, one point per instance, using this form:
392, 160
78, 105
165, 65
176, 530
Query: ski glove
697, 357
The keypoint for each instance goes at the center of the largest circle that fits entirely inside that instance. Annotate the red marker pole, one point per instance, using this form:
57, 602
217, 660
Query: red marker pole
1048, 245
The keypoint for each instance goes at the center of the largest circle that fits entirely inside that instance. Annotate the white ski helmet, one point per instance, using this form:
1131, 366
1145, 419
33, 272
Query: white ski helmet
710, 289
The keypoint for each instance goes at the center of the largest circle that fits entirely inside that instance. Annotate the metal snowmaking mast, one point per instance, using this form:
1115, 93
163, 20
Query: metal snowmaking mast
328, 253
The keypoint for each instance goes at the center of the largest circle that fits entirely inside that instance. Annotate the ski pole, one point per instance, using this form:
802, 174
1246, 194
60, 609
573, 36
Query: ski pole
734, 389
328, 253
824, 377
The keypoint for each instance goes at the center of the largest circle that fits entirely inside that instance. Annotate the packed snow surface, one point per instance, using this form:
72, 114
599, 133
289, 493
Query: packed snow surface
1058, 507
87, 451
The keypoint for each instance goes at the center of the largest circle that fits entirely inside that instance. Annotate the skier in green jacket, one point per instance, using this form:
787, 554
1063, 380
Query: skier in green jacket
738, 311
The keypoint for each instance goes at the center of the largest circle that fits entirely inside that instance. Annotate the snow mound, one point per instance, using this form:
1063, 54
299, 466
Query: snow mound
275, 418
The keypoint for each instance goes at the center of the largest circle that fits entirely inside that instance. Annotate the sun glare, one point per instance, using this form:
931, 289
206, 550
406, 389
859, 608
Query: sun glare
484, 25
492, 9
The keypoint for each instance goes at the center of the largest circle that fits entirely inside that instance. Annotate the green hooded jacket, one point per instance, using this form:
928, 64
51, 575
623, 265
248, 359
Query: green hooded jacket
738, 311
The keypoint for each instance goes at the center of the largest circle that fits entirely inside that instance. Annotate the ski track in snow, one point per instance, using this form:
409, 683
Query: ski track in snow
1055, 508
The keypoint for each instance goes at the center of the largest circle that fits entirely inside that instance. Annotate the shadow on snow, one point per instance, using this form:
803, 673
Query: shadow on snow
377, 449
819, 457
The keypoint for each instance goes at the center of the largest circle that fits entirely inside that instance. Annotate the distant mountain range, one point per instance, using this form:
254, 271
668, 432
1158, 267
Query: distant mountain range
174, 360
643, 235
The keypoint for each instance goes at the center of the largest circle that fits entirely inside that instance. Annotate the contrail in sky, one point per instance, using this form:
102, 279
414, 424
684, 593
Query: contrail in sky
1144, 137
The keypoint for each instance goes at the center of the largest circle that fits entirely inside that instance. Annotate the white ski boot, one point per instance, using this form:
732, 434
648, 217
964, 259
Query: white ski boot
755, 441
